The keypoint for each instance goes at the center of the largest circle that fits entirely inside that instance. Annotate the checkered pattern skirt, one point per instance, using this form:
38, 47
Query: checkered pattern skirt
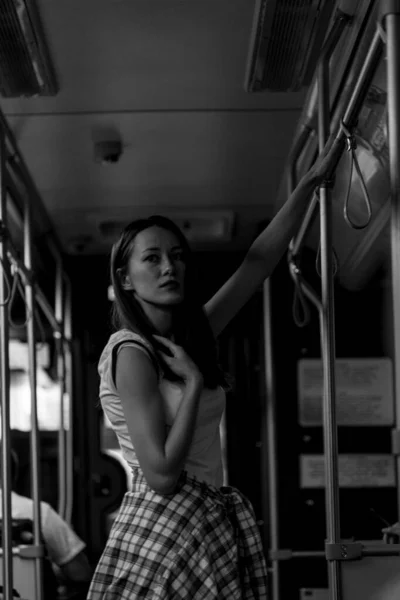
201, 543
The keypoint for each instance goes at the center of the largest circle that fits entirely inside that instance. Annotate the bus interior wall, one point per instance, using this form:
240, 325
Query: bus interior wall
362, 330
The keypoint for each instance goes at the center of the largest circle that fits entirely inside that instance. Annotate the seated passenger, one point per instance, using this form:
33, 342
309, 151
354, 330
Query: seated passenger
63, 547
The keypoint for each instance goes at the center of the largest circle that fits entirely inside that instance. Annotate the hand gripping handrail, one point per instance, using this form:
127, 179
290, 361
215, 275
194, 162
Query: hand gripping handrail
349, 119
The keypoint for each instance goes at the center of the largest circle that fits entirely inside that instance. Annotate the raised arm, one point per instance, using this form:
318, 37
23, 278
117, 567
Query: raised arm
268, 248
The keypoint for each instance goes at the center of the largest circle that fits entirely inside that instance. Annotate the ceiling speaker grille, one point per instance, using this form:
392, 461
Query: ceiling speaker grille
286, 38
25, 67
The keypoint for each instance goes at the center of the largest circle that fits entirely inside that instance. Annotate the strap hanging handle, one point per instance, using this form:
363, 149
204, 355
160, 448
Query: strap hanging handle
351, 146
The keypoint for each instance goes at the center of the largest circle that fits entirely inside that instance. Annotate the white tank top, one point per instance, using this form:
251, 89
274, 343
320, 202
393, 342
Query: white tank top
204, 457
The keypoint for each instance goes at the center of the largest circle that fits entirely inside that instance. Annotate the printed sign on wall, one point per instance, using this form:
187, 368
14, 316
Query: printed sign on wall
364, 392
355, 470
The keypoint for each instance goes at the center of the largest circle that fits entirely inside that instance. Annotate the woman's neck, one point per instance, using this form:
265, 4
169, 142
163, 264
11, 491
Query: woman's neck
160, 316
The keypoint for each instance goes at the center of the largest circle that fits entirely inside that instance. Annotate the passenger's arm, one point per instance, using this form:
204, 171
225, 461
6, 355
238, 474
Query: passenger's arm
268, 248
77, 569
64, 547
160, 456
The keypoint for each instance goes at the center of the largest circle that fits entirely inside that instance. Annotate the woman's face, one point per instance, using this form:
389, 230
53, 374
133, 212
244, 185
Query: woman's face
156, 268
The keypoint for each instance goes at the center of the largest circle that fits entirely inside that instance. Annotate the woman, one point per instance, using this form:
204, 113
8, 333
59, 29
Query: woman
179, 534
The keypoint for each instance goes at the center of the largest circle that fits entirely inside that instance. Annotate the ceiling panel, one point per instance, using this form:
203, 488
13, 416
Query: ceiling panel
149, 54
159, 150
166, 76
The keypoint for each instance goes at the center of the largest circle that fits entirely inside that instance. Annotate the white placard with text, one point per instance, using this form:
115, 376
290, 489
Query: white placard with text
355, 470
364, 392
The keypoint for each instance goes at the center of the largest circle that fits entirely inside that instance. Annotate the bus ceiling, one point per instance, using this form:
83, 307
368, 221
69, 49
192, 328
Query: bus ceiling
143, 110
189, 109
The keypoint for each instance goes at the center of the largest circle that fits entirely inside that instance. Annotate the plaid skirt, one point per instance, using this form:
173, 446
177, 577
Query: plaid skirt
201, 543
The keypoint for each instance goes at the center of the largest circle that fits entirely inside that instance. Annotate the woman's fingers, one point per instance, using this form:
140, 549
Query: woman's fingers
170, 347
164, 340
177, 359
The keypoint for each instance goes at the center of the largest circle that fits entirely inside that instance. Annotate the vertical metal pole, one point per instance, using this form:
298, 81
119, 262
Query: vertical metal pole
5, 387
34, 437
270, 429
69, 392
328, 343
391, 15
59, 314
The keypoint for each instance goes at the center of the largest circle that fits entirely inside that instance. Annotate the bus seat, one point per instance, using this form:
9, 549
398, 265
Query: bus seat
371, 578
24, 565
23, 576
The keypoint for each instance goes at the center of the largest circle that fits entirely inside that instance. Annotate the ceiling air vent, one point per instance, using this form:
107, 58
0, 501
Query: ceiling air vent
25, 65
285, 42
199, 227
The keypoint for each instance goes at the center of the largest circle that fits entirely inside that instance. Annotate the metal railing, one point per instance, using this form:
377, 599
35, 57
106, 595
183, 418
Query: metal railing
387, 31
59, 320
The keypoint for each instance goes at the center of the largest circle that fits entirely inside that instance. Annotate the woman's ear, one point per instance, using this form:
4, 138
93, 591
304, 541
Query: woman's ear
124, 279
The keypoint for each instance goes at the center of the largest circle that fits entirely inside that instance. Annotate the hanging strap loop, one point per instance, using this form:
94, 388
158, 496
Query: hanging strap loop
300, 309
17, 286
351, 147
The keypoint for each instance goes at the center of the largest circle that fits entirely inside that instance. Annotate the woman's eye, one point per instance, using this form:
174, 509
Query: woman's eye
153, 258
178, 256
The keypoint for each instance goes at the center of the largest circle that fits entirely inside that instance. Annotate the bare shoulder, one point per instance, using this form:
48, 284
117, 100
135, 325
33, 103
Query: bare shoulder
135, 369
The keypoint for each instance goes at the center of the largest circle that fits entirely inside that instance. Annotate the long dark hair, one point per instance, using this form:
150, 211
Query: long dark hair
191, 328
